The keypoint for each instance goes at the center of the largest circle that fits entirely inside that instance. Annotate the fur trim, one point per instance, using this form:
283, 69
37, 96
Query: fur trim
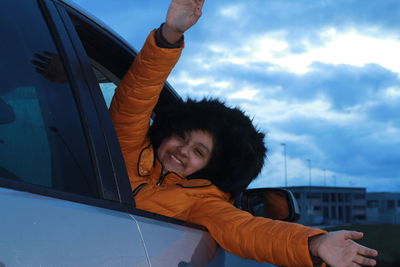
238, 152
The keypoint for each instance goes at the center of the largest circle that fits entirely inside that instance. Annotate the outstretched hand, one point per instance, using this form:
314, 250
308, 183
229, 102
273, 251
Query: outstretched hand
182, 14
338, 249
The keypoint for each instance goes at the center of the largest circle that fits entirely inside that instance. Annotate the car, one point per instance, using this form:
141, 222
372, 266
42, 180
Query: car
65, 197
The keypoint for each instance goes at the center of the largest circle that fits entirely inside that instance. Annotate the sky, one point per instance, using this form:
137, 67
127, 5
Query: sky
320, 78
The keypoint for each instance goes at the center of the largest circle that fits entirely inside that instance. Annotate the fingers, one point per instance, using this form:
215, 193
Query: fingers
363, 256
367, 251
40, 64
200, 3
198, 12
363, 261
41, 60
46, 56
50, 54
41, 57
353, 235
199, 7
41, 71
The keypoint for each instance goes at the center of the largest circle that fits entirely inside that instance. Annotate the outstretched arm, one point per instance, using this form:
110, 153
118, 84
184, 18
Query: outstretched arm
338, 249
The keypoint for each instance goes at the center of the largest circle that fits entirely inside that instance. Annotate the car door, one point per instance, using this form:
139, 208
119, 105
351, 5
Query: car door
59, 202
46, 231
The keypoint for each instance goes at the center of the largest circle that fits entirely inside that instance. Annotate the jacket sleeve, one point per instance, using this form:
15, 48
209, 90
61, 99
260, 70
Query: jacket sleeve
138, 93
257, 238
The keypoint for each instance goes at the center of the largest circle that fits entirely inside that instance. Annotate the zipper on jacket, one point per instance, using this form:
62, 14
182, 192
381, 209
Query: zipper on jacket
161, 180
162, 176
137, 189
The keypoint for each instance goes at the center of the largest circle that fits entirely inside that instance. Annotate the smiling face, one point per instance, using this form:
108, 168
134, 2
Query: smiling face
186, 154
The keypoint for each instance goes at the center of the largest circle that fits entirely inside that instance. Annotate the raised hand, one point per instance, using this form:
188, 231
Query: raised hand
182, 14
50, 66
338, 249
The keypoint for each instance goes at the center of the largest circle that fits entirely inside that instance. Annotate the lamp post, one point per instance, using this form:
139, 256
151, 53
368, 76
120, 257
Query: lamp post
284, 156
324, 177
309, 171
310, 207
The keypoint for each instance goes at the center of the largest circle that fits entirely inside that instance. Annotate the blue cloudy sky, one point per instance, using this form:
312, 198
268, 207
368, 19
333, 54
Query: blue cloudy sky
321, 76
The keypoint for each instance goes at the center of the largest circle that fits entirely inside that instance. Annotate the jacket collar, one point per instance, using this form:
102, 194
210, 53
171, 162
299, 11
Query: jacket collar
147, 165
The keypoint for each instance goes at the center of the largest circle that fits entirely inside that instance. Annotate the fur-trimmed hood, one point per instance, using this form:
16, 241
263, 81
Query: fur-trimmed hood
238, 152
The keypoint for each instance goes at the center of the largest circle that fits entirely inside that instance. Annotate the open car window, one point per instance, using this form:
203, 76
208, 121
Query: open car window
109, 61
107, 81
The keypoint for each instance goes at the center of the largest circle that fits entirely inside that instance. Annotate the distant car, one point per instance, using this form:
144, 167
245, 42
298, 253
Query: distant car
65, 197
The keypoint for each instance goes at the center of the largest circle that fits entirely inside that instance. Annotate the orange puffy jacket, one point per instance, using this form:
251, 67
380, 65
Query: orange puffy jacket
198, 200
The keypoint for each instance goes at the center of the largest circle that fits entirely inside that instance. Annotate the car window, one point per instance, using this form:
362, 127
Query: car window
106, 80
107, 90
41, 136
109, 58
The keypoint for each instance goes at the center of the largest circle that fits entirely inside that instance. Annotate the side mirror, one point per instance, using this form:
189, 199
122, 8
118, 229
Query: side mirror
273, 203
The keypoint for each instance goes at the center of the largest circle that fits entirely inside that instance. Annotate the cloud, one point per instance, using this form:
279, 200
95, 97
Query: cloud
392, 93
199, 86
245, 93
232, 12
350, 48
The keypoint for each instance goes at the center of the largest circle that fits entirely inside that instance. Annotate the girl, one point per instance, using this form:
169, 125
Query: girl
198, 154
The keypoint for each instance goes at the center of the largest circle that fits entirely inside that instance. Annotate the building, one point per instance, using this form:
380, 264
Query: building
321, 205
383, 208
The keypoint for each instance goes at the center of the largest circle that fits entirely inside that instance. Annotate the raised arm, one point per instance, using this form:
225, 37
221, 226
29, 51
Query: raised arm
138, 93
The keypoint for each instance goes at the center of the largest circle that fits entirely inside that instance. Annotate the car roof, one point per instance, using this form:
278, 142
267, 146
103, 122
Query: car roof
95, 20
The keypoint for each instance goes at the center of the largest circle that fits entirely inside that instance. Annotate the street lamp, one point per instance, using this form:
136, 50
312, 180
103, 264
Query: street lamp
310, 207
309, 171
284, 155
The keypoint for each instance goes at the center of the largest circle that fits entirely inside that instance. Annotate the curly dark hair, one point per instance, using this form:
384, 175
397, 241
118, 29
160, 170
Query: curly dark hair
238, 152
